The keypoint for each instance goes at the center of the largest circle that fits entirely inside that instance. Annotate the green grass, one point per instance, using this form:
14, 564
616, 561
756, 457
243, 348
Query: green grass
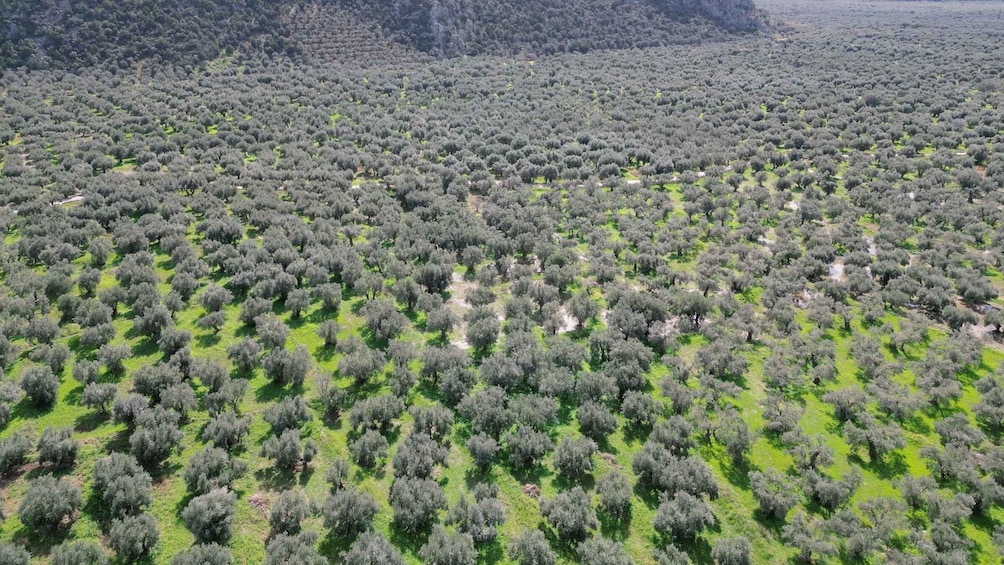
734, 509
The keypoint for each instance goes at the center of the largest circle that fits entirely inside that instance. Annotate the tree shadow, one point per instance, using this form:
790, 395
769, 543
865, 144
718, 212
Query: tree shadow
28, 410
164, 471
332, 546
119, 441
276, 478
564, 548
635, 433
614, 528
207, 340
889, 466
270, 392
649, 496
90, 421
145, 348
305, 474
491, 552
738, 475
325, 353
698, 549
586, 481
410, 542
533, 475
41, 543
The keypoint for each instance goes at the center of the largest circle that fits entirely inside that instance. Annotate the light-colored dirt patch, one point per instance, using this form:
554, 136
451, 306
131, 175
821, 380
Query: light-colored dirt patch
982, 331
872, 249
803, 298
837, 270
70, 200
474, 202
568, 323
980, 170
533, 491
461, 339
458, 289
609, 458
792, 205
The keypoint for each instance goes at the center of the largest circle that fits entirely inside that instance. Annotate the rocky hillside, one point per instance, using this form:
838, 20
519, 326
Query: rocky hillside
82, 33
455, 27
79, 33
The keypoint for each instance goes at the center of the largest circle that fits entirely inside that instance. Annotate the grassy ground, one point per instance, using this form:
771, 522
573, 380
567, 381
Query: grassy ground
734, 508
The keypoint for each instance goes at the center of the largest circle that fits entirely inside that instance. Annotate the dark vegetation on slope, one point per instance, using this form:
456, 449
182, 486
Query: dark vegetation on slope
455, 27
81, 33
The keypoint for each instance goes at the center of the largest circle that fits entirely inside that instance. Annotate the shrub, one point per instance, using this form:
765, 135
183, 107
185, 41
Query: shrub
133, 537
210, 469
98, 396
204, 554
48, 503
573, 457
371, 548
226, 430
57, 448
40, 385
349, 512
156, 437
284, 549
595, 421
369, 448
531, 548
683, 516
288, 414
601, 551
615, 494
288, 512
570, 514
415, 503
13, 452
126, 409
483, 449
732, 551
442, 547
122, 486
81, 552
209, 517
11, 554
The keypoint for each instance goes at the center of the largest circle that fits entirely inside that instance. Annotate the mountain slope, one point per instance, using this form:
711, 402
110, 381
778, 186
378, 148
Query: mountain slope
455, 27
82, 33
78, 33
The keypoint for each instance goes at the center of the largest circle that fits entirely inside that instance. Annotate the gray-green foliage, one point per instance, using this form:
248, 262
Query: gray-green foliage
210, 516
48, 503
133, 537
80, 552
